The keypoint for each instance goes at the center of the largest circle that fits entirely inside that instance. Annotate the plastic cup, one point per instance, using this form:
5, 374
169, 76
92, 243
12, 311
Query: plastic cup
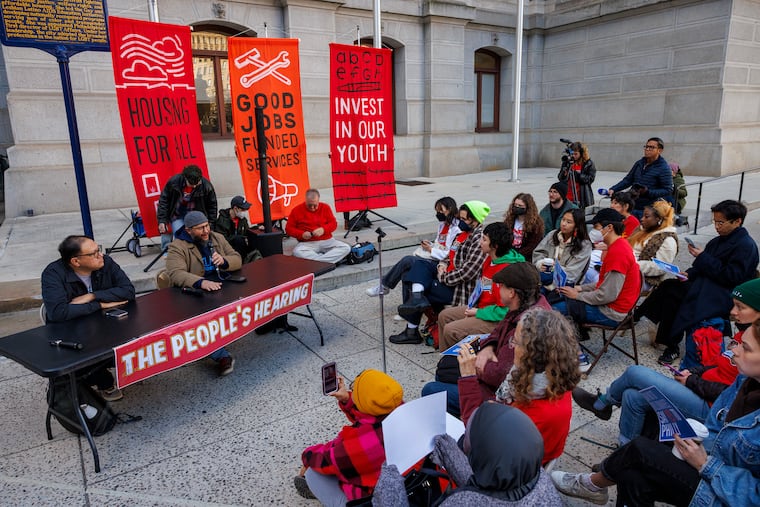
701, 431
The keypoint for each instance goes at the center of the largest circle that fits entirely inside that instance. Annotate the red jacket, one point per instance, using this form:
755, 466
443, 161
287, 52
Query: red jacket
354, 456
302, 220
494, 373
551, 417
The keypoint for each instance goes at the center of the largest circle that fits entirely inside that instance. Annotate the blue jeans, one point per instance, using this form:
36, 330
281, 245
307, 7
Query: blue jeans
176, 226
593, 314
624, 392
394, 275
220, 354
452, 395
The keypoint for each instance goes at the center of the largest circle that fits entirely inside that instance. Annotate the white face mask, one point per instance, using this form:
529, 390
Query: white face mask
241, 214
595, 235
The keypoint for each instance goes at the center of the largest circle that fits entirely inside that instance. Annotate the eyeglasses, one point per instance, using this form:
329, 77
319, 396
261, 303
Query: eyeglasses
96, 253
201, 227
513, 342
721, 223
650, 148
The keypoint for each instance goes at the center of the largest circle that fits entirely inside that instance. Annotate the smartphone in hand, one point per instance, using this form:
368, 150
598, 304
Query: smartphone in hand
674, 371
329, 378
690, 242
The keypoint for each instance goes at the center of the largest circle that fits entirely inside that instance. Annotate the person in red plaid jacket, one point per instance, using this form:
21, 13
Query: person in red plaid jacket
348, 467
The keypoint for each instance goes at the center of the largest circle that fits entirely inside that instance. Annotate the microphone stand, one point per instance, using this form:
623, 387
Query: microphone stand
380, 236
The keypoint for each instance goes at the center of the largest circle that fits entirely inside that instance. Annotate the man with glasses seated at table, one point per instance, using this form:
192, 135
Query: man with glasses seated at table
197, 253
650, 177
81, 282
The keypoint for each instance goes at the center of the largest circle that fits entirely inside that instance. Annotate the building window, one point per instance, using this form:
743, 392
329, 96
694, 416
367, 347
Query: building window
487, 66
212, 80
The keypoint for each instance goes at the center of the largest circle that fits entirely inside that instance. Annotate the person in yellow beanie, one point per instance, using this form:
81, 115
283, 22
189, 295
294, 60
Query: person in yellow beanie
348, 467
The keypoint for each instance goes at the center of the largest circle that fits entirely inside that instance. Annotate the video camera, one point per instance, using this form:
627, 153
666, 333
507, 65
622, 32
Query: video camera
567, 153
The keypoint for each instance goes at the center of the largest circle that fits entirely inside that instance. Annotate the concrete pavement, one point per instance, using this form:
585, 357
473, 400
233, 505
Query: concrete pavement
237, 440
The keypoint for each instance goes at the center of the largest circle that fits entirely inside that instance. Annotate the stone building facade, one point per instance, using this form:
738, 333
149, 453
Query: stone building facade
608, 73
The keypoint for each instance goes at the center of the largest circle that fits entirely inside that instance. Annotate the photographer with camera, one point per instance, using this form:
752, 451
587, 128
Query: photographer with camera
579, 172
650, 176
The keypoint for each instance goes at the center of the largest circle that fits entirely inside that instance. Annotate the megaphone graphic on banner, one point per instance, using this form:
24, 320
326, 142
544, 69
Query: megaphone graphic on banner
279, 190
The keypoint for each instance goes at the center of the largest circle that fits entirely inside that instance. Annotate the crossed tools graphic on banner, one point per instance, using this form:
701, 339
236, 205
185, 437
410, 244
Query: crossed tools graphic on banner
263, 68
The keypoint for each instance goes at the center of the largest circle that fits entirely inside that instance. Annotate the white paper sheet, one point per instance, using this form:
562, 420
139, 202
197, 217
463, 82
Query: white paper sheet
409, 430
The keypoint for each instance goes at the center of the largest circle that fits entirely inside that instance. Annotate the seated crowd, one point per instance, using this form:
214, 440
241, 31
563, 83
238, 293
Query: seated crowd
525, 286
514, 305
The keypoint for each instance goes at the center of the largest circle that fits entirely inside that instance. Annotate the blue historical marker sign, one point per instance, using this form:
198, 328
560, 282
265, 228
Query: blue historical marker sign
56, 26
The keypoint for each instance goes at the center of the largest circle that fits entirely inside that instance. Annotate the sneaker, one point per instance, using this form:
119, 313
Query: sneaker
583, 363
226, 365
111, 394
398, 317
407, 336
302, 487
586, 401
668, 356
376, 291
571, 485
650, 329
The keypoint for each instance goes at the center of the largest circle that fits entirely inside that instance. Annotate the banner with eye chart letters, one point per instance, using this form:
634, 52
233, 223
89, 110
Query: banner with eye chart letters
361, 128
266, 73
155, 90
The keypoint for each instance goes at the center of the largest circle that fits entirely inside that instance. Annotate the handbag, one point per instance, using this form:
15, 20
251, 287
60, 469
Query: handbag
424, 486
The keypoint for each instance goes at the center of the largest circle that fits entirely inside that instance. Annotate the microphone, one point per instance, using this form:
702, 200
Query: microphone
603, 191
211, 251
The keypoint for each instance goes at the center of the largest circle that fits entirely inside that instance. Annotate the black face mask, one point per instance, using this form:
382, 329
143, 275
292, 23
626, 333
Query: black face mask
441, 216
464, 226
517, 211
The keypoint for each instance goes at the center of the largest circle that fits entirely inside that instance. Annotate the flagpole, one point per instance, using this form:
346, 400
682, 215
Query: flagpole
518, 80
153, 11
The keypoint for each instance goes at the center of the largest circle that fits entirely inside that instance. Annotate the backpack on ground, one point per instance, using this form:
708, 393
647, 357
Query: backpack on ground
98, 415
361, 252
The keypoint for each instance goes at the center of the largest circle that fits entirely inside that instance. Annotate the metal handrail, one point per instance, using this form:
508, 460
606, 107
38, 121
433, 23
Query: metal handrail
711, 180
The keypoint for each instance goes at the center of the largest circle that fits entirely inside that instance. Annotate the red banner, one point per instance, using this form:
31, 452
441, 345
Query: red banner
195, 338
153, 71
361, 128
265, 73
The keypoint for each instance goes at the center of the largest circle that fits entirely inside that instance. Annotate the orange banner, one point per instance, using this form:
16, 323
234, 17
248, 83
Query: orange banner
265, 73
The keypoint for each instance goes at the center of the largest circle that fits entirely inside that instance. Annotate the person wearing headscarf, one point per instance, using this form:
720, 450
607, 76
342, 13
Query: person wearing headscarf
500, 465
347, 467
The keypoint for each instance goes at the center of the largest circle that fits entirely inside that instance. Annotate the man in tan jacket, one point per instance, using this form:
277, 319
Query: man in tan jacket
195, 254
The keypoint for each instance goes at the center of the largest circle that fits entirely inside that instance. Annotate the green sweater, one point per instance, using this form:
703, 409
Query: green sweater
495, 313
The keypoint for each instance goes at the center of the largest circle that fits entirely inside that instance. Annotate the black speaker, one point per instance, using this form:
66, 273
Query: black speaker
268, 243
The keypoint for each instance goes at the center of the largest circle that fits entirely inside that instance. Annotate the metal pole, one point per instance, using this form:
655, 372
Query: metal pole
518, 79
76, 149
153, 11
261, 140
376, 17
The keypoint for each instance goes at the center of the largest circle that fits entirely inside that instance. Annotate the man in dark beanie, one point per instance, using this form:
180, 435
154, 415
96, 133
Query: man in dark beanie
519, 289
195, 259
552, 213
